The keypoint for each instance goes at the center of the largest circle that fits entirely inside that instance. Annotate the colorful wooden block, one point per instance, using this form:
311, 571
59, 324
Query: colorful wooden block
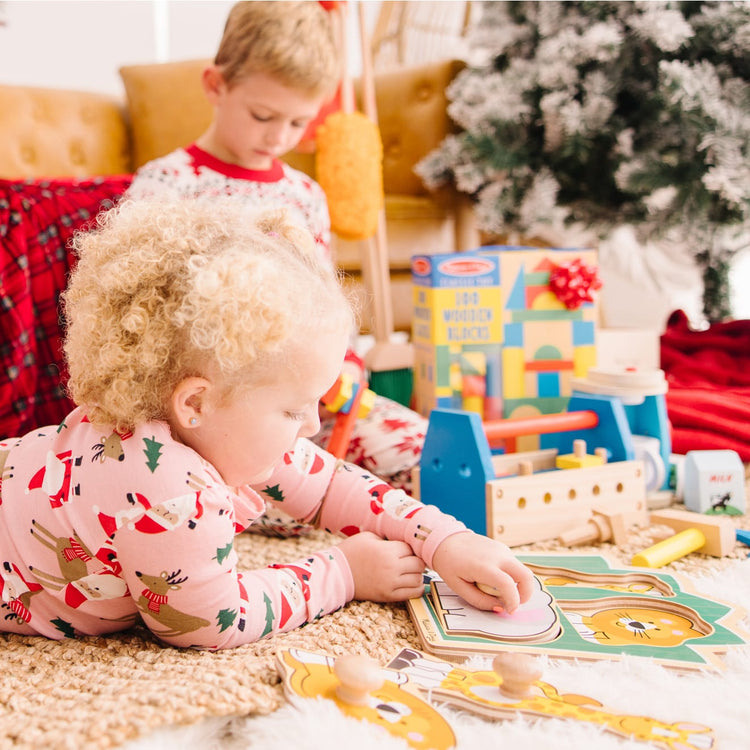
718, 532
579, 459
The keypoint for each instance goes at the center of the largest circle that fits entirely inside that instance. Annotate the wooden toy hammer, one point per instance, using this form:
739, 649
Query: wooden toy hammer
711, 535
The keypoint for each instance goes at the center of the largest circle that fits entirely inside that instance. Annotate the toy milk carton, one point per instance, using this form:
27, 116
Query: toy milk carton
714, 482
495, 329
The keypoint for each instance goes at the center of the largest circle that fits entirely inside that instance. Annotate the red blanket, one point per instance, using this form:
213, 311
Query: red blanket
708, 401
37, 220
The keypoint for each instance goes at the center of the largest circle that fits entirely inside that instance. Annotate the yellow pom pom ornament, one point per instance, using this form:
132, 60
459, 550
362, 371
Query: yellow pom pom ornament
349, 168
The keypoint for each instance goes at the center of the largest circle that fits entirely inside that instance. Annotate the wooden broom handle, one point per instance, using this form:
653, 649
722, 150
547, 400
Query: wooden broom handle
347, 88
377, 246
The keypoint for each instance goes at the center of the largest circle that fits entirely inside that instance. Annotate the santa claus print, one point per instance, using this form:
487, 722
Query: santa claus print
153, 519
55, 478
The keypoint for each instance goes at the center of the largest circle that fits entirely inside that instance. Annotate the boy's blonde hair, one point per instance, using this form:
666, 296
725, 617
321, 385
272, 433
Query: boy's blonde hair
294, 42
167, 290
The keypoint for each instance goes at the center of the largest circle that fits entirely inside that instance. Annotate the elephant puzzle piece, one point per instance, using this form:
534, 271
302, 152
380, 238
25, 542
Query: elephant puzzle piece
363, 689
514, 686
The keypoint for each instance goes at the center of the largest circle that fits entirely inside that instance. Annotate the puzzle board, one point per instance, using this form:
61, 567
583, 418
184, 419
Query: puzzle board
536, 621
604, 613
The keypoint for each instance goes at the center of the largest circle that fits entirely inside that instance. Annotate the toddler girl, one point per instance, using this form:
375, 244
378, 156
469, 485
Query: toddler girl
200, 339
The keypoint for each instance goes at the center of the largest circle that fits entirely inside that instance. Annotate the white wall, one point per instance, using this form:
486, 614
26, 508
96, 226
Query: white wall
80, 44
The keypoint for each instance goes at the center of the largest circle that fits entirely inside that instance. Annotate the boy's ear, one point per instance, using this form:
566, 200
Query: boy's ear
213, 83
189, 401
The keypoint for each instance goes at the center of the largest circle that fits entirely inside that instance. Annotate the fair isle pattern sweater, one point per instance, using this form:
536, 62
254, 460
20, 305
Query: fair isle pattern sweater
192, 172
98, 528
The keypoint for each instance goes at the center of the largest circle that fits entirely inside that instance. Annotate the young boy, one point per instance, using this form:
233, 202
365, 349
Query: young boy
276, 65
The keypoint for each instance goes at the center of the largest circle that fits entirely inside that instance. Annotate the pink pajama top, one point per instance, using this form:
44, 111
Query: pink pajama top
99, 528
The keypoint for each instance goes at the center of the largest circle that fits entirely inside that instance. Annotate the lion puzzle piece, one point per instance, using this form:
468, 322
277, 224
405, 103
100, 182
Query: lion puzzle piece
514, 686
363, 689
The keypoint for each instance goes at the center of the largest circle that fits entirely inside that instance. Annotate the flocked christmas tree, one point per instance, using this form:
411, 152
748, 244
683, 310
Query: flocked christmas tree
608, 113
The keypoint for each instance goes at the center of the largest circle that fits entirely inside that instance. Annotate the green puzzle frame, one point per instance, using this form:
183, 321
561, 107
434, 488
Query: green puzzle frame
723, 619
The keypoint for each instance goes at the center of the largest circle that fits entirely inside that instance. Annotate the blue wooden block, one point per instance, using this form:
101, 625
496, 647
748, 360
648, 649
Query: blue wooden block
612, 431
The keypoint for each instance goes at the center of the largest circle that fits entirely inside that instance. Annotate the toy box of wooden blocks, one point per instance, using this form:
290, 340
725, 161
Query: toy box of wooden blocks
502, 330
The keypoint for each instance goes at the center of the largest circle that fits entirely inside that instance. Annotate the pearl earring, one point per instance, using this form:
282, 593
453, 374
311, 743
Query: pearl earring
193, 421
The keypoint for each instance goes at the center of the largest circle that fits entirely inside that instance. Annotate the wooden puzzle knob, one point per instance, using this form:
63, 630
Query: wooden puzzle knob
518, 673
358, 677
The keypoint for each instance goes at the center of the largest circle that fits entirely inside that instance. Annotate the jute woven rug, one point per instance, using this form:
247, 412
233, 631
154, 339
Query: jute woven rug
101, 692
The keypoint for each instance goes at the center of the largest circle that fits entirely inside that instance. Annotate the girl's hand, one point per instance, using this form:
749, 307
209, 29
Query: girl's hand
466, 559
383, 570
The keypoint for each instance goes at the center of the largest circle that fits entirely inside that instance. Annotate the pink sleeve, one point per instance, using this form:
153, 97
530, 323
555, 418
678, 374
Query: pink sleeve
190, 593
313, 486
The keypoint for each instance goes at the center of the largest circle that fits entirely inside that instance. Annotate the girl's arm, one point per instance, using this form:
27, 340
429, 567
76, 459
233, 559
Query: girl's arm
190, 592
335, 495
313, 486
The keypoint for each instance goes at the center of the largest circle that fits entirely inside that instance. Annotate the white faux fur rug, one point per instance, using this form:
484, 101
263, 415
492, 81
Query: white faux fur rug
633, 685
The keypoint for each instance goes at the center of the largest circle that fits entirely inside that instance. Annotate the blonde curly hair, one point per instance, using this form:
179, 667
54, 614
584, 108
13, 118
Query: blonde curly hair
295, 42
167, 290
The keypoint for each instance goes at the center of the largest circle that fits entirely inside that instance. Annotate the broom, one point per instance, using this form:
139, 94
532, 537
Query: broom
349, 155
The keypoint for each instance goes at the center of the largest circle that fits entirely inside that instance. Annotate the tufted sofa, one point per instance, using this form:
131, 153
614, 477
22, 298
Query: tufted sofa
64, 155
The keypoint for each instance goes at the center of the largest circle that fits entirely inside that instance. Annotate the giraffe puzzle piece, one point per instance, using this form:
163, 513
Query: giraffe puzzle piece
514, 686
363, 689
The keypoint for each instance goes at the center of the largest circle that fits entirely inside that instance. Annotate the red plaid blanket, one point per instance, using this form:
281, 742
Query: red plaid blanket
37, 220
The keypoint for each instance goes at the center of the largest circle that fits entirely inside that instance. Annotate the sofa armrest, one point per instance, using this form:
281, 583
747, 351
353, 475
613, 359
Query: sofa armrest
60, 133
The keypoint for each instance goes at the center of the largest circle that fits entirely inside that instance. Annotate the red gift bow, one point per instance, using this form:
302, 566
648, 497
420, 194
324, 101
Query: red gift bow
574, 283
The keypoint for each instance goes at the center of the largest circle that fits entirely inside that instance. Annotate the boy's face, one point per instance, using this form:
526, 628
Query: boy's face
246, 437
256, 120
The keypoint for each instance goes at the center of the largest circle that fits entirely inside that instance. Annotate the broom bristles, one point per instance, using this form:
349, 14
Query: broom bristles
390, 365
348, 166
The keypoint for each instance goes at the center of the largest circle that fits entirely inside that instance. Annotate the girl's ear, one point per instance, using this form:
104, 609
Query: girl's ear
189, 402
213, 83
